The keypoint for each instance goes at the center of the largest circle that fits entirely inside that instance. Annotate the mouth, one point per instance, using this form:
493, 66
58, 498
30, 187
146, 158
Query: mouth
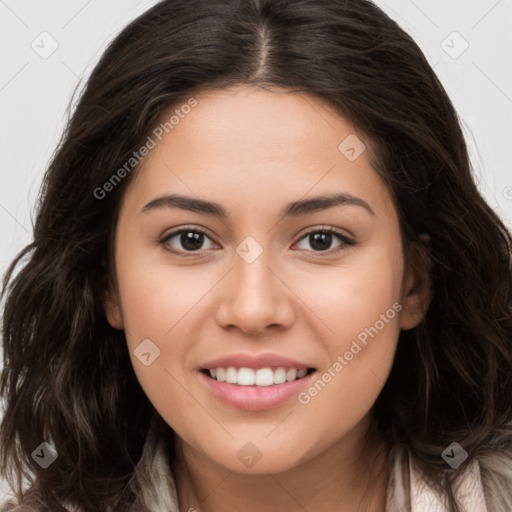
256, 389
257, 377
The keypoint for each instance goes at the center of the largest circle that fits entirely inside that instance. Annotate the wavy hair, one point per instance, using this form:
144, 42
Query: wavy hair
67, 377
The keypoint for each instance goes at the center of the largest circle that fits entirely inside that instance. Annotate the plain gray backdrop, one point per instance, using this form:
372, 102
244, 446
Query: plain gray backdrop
49, 47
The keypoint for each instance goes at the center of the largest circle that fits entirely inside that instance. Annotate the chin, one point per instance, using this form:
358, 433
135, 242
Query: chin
258, 459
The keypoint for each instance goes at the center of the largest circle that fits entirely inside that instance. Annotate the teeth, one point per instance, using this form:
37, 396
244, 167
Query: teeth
280, 376
264, 377
291, 374
231, 375
246, 377
261, 377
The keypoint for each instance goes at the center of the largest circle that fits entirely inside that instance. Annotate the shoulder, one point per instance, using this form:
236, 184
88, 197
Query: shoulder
469, 492
484, 486
496, 472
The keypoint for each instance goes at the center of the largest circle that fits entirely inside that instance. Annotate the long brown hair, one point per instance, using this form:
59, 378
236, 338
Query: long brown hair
67, 377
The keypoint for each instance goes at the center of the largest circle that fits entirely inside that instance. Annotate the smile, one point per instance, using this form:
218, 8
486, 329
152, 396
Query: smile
254, 389
260, 377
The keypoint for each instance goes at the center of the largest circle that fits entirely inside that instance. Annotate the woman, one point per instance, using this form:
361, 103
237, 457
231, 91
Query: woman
261, 276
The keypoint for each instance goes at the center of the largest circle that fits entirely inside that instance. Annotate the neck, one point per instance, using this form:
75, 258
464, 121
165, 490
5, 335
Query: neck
346, 477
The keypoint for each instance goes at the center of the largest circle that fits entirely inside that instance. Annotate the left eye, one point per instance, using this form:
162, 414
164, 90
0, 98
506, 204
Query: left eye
192, 240
321, 239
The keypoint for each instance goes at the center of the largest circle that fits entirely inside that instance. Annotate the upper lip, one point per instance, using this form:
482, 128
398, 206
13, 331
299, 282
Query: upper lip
254, 361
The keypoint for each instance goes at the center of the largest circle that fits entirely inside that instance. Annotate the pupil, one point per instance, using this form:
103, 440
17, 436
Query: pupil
321, 237
191, 240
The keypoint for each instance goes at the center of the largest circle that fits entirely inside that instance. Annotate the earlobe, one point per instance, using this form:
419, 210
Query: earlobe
112, 308
416, 294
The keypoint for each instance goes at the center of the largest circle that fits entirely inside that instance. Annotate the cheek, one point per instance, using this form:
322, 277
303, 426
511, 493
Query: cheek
157, 297
156, 301
360, 306
354, 295
157, 305
360, 361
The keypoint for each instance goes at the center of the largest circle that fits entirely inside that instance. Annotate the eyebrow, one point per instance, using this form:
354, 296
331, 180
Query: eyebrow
293, 209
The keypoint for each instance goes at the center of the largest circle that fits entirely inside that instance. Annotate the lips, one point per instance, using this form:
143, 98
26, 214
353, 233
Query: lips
255, 382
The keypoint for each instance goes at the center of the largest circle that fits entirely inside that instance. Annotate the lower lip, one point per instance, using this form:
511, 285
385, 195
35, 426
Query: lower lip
256, 398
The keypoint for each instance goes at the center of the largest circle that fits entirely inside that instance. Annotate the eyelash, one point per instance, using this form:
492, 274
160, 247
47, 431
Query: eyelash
345, 241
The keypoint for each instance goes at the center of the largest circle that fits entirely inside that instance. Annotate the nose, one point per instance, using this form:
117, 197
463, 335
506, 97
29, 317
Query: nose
255, 297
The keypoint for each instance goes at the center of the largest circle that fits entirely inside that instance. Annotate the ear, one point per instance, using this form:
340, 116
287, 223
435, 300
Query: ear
416, 291
112, 307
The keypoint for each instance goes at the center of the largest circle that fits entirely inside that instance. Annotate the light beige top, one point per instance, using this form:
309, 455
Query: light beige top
422, 497
470, 494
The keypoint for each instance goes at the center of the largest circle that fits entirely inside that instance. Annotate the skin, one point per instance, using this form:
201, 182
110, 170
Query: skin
253, 151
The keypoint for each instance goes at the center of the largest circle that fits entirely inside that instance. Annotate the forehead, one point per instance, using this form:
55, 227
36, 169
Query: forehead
257, 123
248, 141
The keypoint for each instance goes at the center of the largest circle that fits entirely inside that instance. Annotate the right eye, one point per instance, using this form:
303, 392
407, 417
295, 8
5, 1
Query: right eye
190, 239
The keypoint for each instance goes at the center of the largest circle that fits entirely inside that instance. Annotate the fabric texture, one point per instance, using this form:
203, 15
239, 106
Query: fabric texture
470, 494
408, 491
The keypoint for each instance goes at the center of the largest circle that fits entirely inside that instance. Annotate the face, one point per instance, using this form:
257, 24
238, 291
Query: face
268, 280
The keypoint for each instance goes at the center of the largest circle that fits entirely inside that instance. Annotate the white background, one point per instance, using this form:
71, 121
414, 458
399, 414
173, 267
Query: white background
35, 92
